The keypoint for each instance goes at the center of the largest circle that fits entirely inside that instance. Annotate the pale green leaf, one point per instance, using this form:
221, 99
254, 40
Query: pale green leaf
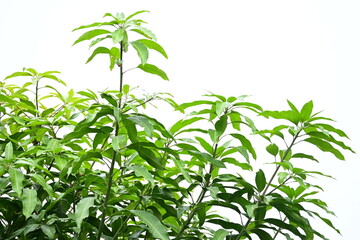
16, 178
29, 200
82, 210
141, 50
141, 171
99, 50
49, 231
9, 151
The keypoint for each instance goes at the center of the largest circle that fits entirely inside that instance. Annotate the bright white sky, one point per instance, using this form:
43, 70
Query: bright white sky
274, 50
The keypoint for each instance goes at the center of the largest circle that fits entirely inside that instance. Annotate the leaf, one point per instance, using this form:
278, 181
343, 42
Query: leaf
141, 171
49, 231
220, 234
18, 74
96, 24
148, 155
273, 149
292, 106
262, 234
149, 68
134, 14
118, 35
306, 111
91, 34
99, 50
39, 179
144, 31
143, 122
82, 211
141, 50
153, 45
16, 178
180, 165
325, 147
29, 200
220, 125
246, 143
260, 180
183, 123
9, 151
156, 228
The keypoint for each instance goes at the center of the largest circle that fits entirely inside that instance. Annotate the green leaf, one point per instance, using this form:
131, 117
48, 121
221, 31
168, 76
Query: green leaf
262, 234
153, 45
148, 155
16, 178
143, 122
325, 147
306, 111
220, 125
141, 50
246, 143
144, 31
292, 106
18, 74
183, 123
141, 171
9, 151
273, 149
39, 179
134, 14
99, 50
220, 234
156, 228
149, 68
91, 34
49, 231
118, 35
180, 165
82, 211
29, 200
260, 180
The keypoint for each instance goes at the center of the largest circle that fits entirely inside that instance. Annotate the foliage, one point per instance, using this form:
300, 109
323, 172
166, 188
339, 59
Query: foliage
90, 165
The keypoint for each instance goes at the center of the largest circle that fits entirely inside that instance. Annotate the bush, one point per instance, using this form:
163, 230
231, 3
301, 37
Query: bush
90, 165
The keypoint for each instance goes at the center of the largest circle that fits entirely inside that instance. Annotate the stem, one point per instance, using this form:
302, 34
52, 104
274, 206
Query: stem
113, 159
200, 198
37, 97
243, 230
278, 166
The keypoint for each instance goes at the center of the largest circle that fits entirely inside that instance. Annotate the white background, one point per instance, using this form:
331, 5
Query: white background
274, 50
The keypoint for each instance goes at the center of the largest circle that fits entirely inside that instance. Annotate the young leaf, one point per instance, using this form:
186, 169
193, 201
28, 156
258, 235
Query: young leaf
306, 111
141, 50
156, 228
118, 35
149, 68
29, 200
220, 125
180, 165
260, 180
153, 45
134, 14
91, 34
16, 178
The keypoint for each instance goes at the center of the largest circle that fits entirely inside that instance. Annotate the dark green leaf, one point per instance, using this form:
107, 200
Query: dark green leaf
156, 228
260, 180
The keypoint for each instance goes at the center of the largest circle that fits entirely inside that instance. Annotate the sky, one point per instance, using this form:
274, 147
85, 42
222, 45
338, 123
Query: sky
273, 50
